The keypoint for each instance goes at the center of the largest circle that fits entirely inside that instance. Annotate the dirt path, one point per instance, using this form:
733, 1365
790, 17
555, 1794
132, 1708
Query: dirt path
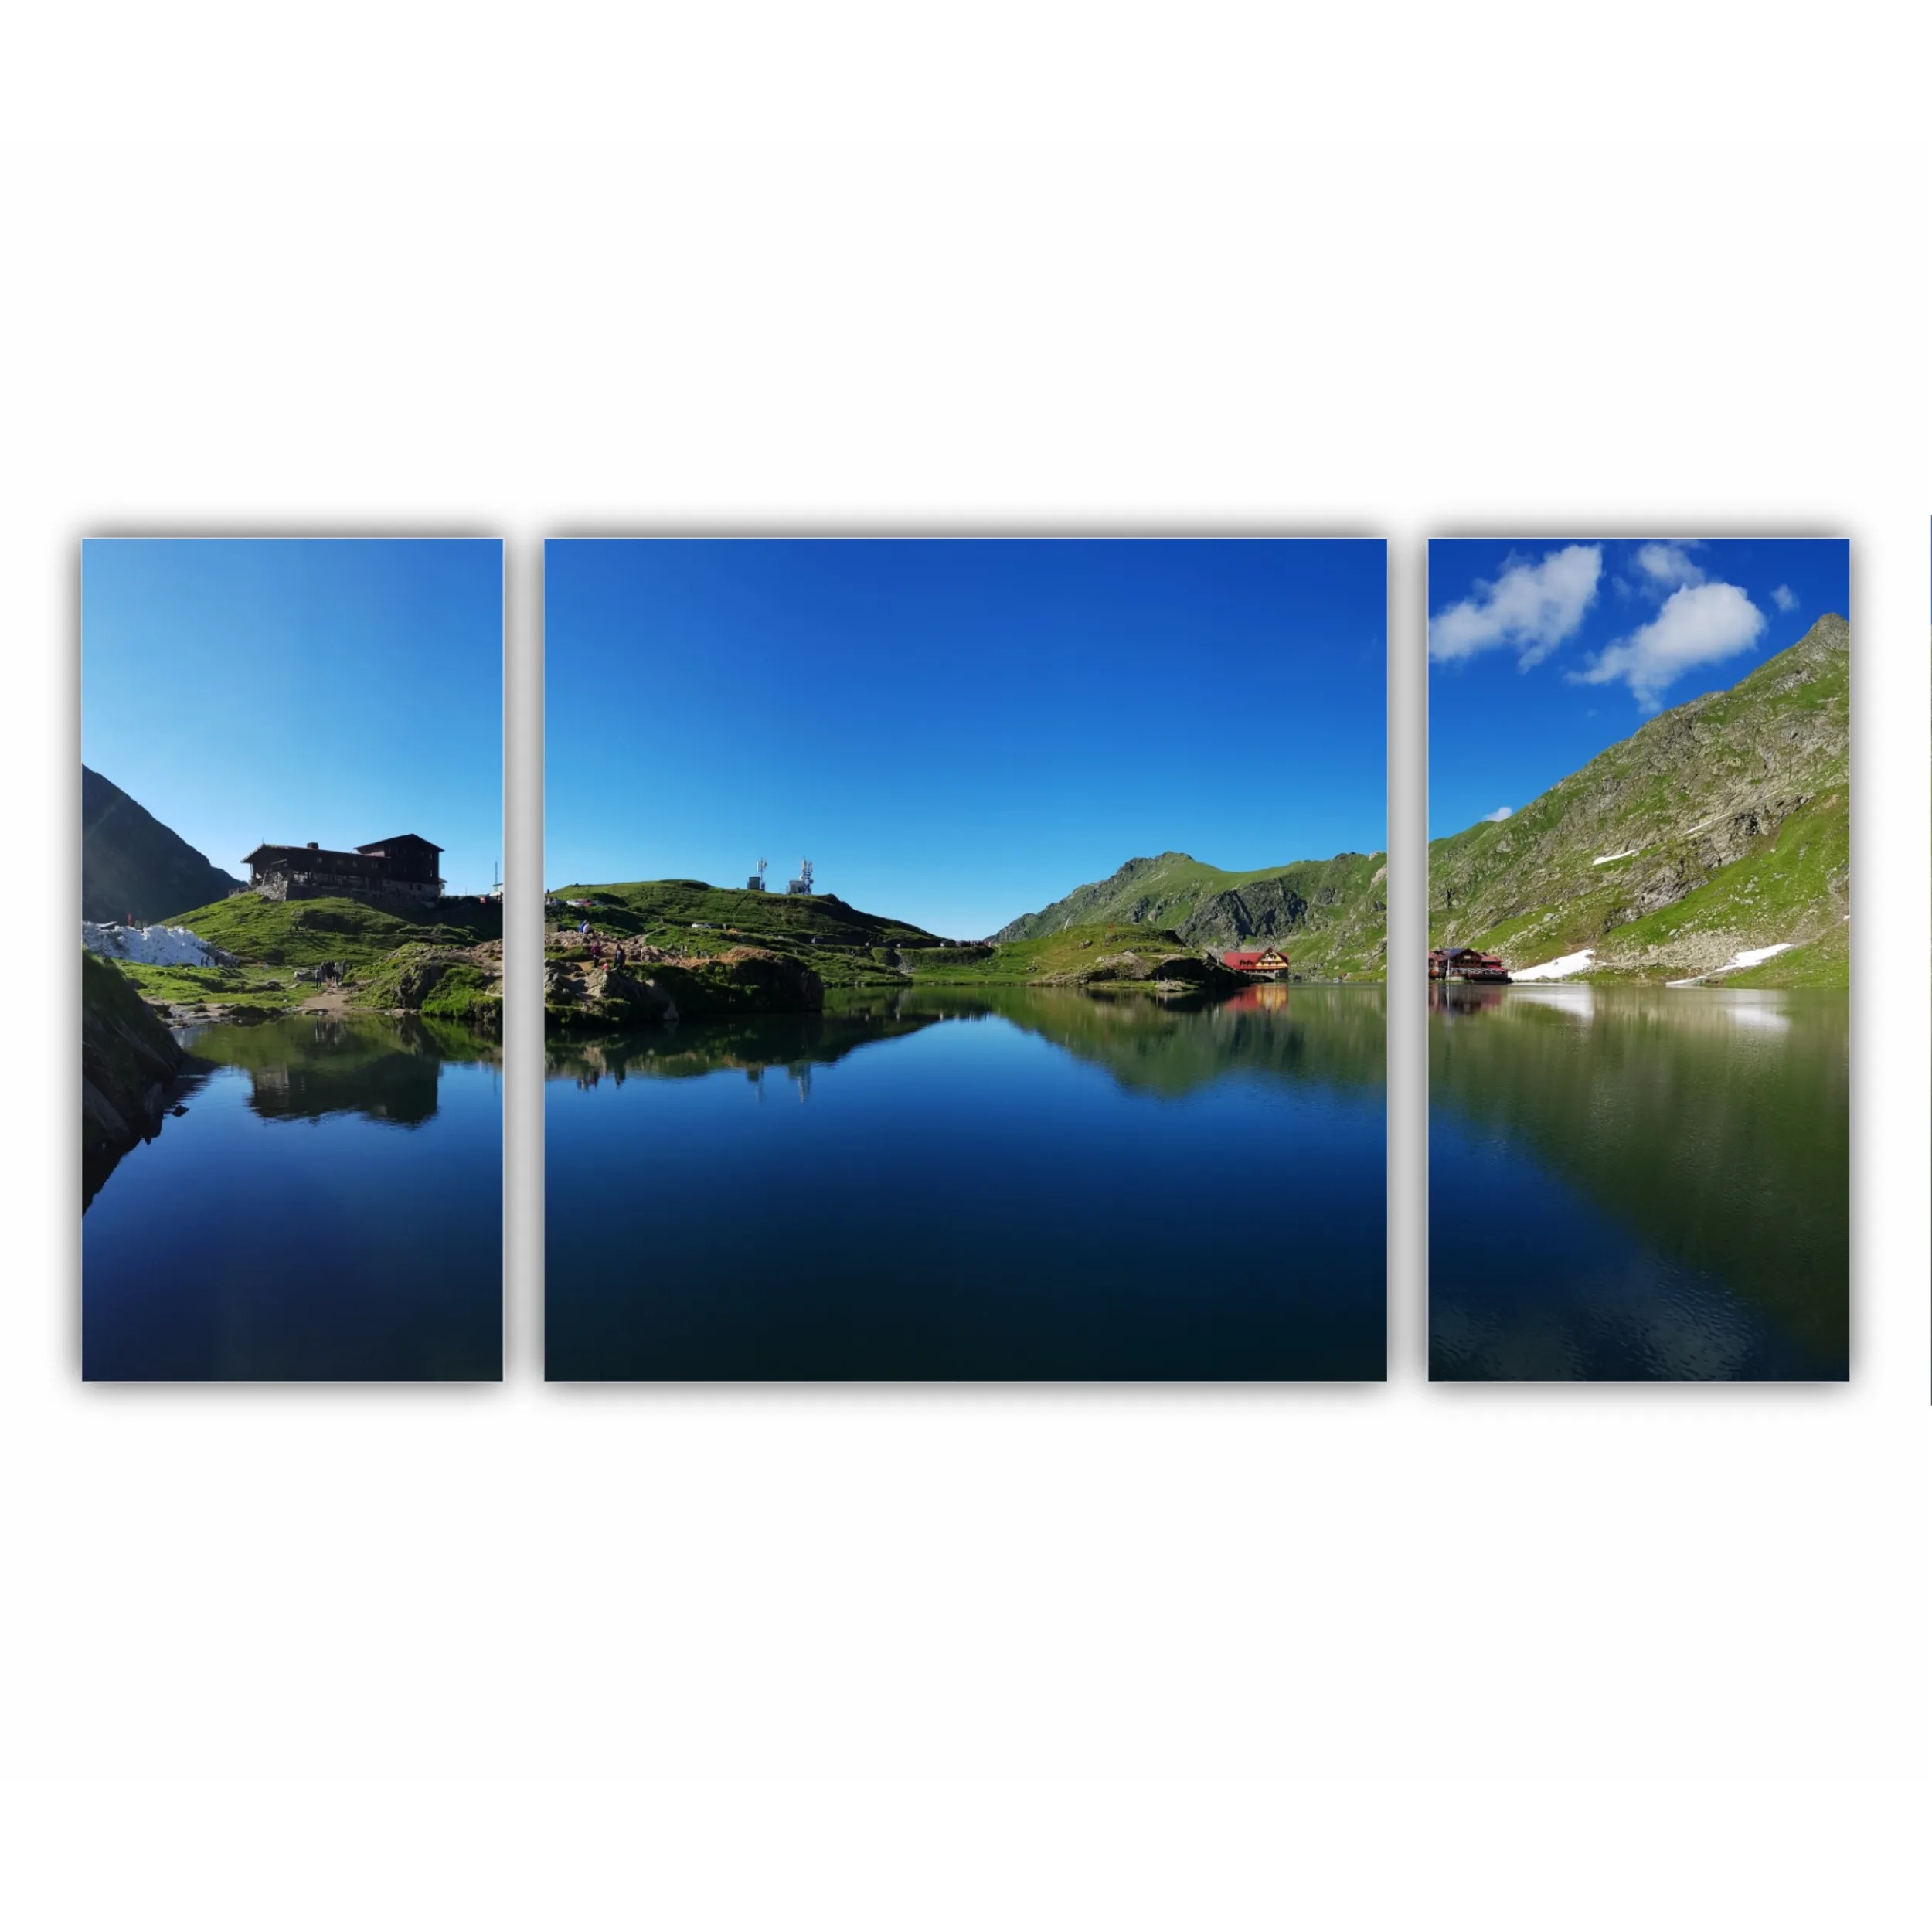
333, 1003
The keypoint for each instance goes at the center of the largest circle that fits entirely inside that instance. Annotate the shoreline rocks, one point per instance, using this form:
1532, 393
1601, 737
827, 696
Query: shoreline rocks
128, 1060
659, 990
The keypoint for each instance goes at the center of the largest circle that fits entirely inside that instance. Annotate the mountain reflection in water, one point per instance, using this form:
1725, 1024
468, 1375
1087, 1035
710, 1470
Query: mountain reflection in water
1638, 1183
1007, 1185
365, 1247
1319, 1033
307, 1067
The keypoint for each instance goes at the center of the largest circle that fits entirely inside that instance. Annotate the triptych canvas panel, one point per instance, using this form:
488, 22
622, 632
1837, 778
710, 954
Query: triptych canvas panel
966, 960
291, 1105
1053, 1048
1639, 966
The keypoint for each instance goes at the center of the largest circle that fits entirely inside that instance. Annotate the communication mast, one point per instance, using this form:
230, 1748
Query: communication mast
803, 883
756, 883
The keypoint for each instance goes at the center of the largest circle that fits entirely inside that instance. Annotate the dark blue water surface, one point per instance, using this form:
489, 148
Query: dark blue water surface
328, 1209
1023, 1185
1638, 1183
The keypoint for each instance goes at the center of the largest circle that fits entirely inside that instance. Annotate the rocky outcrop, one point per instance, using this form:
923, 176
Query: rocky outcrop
1271, 909
657, 988
1155, 967
127, 1060
460, 983
417, 981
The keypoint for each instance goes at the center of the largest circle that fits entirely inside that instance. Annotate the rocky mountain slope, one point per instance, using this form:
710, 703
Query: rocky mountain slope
1329, 915
1720, 827
133, 868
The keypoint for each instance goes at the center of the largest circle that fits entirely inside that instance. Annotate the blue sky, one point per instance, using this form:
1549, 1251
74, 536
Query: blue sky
1542, 654
341, 691
957, 733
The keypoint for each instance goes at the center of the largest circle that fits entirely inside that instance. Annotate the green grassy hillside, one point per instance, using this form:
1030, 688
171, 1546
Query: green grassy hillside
664, 911
265, 989
1071, 954
842, 945
396, 959
1330, 916
1720, 827
306, 932
845, 948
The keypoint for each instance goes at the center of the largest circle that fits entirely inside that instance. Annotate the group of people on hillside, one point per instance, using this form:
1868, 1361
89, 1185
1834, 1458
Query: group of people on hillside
620, 953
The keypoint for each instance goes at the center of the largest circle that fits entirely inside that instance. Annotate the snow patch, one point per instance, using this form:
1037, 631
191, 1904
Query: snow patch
152, 945
1609, 857
1555, 968
1756, 956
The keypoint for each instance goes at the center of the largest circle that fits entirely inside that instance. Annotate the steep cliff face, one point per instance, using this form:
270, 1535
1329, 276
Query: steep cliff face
1722, 826
133, 868
128, 1058
1330, 915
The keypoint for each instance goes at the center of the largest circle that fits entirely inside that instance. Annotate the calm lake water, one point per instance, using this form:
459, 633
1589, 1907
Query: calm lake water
1018, 1185
329, 1209
1638, 1183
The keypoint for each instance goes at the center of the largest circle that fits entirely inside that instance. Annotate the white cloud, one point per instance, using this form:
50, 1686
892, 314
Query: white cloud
1532, 607
1785, 597
1700, 623
1668, 565
1499, 815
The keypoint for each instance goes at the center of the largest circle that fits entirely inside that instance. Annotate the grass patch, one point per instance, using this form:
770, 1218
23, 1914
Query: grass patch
307, 932
215, 986
1825, 963
654, 908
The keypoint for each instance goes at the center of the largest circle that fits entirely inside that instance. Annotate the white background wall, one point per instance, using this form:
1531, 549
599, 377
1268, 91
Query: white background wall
1499, 1657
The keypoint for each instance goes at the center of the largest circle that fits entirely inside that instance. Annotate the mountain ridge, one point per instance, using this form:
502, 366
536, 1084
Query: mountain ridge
132, 866
1718, 826
1330, 914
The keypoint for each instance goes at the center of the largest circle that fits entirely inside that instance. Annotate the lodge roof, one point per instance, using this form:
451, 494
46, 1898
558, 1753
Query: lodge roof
299, 851
402, 839
361, 855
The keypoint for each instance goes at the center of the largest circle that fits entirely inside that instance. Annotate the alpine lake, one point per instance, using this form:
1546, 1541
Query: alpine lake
1636, 1183
1626, 1183
327, 1207
1010, 1184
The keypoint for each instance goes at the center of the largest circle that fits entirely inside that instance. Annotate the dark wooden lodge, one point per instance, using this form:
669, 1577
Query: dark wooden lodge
1464, 962
403, 868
